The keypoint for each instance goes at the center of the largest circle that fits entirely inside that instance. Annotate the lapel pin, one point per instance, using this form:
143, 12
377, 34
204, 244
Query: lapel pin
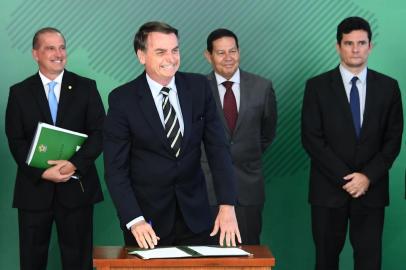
70, 87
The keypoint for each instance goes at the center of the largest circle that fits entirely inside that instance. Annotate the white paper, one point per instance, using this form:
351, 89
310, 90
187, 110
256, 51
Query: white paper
157, 253
219, 251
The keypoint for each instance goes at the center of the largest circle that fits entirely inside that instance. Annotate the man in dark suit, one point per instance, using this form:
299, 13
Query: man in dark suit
44, 196
250, 128
352, 125
152, 135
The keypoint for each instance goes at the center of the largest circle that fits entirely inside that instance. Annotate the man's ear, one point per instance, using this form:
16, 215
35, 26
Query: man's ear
34, 54
141, 56
207, 54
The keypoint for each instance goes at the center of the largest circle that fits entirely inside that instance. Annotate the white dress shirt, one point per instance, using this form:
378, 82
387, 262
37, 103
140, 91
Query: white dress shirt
236, 87
57, 88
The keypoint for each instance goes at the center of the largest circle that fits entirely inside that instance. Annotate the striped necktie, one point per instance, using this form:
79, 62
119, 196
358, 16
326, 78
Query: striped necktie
172, 127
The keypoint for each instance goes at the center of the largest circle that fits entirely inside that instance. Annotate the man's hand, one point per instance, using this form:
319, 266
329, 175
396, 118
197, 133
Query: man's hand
144, 234
68, 168
357, 185
226, 221
54, 174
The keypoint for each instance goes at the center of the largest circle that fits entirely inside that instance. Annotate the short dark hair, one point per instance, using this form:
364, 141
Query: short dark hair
217, 34
140, 39
350, 24
43, 31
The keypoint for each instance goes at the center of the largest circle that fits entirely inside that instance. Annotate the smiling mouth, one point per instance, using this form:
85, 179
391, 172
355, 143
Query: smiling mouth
168, 67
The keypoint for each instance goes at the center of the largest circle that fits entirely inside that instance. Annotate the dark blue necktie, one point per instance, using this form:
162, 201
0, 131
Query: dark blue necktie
355, 108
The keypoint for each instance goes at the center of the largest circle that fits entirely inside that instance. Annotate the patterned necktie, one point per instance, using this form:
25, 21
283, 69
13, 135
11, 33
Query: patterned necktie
52, 101
230, 106
172, 127
355, 107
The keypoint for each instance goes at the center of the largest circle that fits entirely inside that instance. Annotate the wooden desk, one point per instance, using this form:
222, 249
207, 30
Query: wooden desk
106, 258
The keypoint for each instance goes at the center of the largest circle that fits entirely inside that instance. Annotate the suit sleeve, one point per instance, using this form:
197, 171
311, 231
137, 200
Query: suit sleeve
314, 141
94, 116
18, 141
269, 119
218, 153
117, 144
379, 165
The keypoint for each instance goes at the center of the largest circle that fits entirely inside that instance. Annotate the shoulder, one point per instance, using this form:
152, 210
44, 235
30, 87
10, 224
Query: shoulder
190, 77
255, 81
122, 91
26, 82
375, 75
194, 82
69, 76
244, 75
325, 76
126, 92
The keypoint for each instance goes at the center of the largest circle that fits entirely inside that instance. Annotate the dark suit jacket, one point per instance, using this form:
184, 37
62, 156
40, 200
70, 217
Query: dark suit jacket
328, 136
143, 175
254, 132
80, 109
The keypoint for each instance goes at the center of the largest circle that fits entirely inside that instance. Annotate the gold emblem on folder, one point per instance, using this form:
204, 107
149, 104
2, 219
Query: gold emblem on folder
42, 148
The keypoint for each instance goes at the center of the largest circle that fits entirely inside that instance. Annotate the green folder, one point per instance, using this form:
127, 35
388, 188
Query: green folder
53, 143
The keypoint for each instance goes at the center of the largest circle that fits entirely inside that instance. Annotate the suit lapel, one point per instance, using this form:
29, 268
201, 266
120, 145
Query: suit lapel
372, 94
147, 105
216, 95
245, 85
66, 98
40, 97
185, 101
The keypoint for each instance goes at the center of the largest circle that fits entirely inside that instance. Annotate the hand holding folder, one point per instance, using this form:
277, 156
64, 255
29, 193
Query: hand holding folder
53, 143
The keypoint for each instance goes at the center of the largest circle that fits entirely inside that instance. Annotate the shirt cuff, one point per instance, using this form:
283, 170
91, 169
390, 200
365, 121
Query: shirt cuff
132, 222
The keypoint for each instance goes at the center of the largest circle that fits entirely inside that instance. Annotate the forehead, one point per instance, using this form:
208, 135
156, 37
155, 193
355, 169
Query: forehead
50, 37
355, 35
161, 40
224, 43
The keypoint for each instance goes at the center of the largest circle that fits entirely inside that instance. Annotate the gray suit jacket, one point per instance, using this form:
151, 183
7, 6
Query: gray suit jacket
254, 132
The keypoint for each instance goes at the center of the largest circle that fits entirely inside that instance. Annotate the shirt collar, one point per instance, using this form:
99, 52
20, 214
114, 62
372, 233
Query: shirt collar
235, 78
347, 75
156, 87
45, 80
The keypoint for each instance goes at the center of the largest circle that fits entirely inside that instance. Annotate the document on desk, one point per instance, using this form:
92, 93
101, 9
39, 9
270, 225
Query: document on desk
160, 253
188, 252
219, 251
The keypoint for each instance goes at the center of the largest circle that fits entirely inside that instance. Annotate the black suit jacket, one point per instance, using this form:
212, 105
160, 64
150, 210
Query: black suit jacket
80, 109
143, 175
254, 132
328, 136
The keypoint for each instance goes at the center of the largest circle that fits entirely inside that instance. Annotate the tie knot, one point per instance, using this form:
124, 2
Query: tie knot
165, 91
354, 80
228, 85
51, 85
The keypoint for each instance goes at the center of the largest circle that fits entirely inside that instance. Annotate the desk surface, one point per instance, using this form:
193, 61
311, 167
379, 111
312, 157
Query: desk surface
117, 256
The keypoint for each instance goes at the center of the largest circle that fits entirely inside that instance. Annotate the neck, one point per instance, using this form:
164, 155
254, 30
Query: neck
354, 70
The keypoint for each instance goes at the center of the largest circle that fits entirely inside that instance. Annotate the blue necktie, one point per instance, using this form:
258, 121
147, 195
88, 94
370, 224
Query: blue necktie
53, 102
355, 108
